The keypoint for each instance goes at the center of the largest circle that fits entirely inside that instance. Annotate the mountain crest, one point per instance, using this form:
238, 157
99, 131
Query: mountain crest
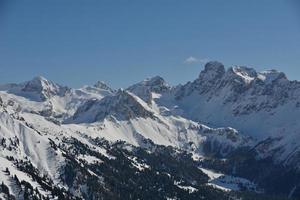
145, 88
246, 74
121, 106
43, 89
156, 84
212, 70
102, 85
270, 76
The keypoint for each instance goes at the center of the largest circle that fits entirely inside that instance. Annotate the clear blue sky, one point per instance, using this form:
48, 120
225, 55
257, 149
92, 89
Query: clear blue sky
77, 42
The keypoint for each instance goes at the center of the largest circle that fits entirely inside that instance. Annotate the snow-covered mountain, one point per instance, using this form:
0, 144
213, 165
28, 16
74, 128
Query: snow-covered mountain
262, 105
147, 89
59, 143
50, 99
37, 89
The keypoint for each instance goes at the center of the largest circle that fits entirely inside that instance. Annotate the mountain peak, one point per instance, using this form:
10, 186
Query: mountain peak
156, 84
212, 70
37, 84
214, 66
244, 71
270, 76
154, 79
145, 88
39, 78
43, 88
102, 85
246, 74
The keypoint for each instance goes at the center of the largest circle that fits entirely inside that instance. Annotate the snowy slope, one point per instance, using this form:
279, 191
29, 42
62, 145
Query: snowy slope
227, 182
23, 143
126, 116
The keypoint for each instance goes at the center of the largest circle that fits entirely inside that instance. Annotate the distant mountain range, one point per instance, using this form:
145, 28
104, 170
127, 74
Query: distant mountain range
229, 134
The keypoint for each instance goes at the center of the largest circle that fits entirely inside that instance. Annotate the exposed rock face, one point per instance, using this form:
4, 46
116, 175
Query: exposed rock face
209, 78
